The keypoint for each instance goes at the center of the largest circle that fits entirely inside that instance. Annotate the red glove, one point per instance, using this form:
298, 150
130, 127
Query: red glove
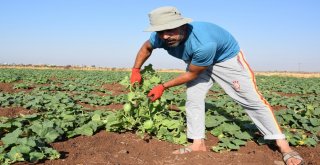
135, 75
156, 92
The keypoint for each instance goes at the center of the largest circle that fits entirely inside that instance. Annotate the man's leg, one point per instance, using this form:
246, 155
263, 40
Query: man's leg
238, 81
195, 109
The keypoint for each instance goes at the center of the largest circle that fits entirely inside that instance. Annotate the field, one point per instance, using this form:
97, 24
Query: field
63, 116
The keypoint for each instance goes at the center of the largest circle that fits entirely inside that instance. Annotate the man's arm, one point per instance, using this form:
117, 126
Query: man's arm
143, 54
193, 73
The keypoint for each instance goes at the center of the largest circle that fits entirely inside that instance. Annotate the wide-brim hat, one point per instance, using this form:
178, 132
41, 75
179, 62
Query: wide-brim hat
164, 18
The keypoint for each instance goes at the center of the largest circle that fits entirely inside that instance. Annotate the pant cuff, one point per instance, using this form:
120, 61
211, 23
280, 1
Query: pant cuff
195, 137
273, 137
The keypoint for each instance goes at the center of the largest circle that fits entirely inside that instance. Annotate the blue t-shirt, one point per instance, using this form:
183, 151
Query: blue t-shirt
206, 44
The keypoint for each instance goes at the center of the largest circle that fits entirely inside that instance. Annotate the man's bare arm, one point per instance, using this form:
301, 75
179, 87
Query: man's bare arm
193, 73
143, 54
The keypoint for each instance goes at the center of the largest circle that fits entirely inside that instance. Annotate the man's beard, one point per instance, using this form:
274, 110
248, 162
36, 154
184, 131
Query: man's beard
172, 43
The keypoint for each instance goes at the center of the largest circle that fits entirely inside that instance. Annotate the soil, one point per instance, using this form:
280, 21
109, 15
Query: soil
115, 88
6, 87
278, 108
127, 148
107, 107
15, 111
287, 94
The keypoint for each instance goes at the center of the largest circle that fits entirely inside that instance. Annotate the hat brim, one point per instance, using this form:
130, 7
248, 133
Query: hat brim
168, 26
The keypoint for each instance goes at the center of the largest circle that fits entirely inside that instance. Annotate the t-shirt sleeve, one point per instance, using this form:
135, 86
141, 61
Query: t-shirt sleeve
155, 41
204, 56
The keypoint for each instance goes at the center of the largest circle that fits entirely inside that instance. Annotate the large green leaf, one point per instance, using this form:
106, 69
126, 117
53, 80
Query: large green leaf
11, 138
242, 135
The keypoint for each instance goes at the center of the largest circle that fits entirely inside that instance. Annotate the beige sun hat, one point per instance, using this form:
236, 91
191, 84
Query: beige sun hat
164, 18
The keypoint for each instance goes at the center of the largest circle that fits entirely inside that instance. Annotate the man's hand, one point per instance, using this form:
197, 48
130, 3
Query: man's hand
135, 76
156, 92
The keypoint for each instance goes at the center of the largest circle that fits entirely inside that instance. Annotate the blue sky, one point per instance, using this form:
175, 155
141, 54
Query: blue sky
275, 35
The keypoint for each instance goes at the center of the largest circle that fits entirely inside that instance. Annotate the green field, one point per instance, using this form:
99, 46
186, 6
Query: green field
67, 103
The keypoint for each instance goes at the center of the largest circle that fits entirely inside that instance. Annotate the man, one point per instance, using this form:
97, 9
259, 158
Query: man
212, 55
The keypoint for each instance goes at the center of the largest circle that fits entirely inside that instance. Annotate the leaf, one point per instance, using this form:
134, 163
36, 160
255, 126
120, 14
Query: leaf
53, 154
211, 122
23, 149
233, 146
15, 155
315, 122
125, 81
287, 117
51, 136
36, 156
26, 141
85, 130
225, 141
239, 142
146, 84
217, 148
317, 111
216, 132
96, 117
38, 129
231, 128
31, 142
5, 125
1, 150
11, 138
180, 140
155, 80
172, 124
311, 142
162, 132
131, 96
68, 117
147, 125
242, 135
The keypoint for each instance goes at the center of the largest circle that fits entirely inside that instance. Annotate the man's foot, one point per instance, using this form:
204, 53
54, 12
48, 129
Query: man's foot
184, 150
197, 145
290, 157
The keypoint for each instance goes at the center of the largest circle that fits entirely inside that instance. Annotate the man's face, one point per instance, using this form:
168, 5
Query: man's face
172, 37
